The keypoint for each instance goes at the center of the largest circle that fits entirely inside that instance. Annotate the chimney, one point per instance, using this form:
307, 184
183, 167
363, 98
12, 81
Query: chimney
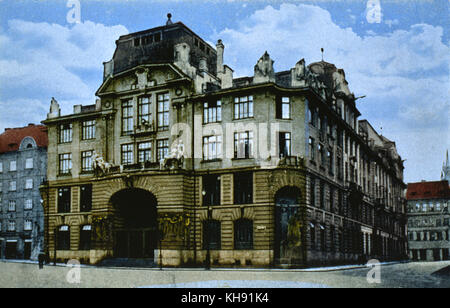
219, 47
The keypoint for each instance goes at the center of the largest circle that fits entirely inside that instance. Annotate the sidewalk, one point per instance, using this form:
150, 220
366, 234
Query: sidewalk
312, 269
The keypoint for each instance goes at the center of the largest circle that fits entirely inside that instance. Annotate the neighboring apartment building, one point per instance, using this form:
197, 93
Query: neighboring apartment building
23, 166
428, 221
183, 164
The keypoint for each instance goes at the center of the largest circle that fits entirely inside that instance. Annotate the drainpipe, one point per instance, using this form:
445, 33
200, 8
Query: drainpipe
195, 180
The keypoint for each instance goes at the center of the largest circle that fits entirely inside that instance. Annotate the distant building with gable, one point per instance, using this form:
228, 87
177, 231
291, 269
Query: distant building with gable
429, 218
23, 166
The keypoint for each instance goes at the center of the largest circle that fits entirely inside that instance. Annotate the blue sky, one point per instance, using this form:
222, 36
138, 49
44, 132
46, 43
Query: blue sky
399, 58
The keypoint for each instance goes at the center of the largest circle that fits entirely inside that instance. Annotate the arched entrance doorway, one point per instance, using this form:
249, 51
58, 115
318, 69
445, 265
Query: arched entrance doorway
288, 226
135, 224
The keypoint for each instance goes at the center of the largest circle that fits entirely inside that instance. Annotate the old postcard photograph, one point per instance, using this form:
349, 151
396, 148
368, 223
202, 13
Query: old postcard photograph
218, 145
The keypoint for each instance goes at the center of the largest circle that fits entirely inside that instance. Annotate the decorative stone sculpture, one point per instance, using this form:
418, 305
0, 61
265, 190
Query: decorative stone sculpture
264, 70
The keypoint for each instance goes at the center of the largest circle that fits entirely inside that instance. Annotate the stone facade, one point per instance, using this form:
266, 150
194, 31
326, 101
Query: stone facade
188, 166
23, 166
428, 221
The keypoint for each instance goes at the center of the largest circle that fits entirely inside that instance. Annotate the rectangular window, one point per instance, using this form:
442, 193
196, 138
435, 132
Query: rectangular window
28, 225
1, 167
331, 200
86, 161
312, 149
85, 237
28, 204
322, 238
283, 108
339, 168
212, 147
163, 149
145, 152
243, 234
29, 184
11, 225
321, 154
85, 198
339, 138
64, 199
63, 238
284, 144
322, 195
29, 163
13, 166
243, 188
243, 145
243, 107
312, 192
163, 111
330, 161
332, 239
127, 154
145, 111
12, 206
312, 235
88, 130
211, 234
127, 117
12, 186
65, 133
212, 112
211, 190
65, 163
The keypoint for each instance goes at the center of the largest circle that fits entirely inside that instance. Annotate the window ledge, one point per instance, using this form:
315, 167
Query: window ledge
243, 158
211, 160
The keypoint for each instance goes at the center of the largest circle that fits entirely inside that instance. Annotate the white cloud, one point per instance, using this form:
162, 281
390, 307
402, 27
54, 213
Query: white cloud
42, 60
404, 73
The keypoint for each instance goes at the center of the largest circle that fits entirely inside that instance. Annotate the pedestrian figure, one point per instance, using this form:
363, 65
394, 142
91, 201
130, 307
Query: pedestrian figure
41, 260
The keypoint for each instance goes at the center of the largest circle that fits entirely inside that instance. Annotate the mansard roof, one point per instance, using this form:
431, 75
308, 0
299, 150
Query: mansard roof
428, 190
12, 137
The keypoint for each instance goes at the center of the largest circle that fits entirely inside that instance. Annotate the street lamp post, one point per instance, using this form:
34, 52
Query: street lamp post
54, 245
208, 243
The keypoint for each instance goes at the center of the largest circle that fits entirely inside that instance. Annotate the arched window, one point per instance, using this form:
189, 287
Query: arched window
243, 234
211, 234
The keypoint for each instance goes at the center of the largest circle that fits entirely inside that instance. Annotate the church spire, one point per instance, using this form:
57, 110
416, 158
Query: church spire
445, 174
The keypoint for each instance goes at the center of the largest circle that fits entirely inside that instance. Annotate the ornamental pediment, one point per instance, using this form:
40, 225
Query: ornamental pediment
140, 78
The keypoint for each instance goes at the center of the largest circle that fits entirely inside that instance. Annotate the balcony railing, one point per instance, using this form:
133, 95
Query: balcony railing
293, 161
143, 129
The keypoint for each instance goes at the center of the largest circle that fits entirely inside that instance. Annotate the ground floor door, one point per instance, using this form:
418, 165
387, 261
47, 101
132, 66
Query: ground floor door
445, 255
135, 230
11, 250
287, 239
423, 254
27, 250
436, 254
135, 243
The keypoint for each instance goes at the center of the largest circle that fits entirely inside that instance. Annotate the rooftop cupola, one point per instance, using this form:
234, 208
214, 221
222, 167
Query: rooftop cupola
169, 21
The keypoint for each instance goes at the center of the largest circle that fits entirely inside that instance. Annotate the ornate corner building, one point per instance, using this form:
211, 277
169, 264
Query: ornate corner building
23, 167
179, 163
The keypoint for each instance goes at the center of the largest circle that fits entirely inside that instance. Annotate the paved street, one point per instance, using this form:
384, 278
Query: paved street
15, 274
